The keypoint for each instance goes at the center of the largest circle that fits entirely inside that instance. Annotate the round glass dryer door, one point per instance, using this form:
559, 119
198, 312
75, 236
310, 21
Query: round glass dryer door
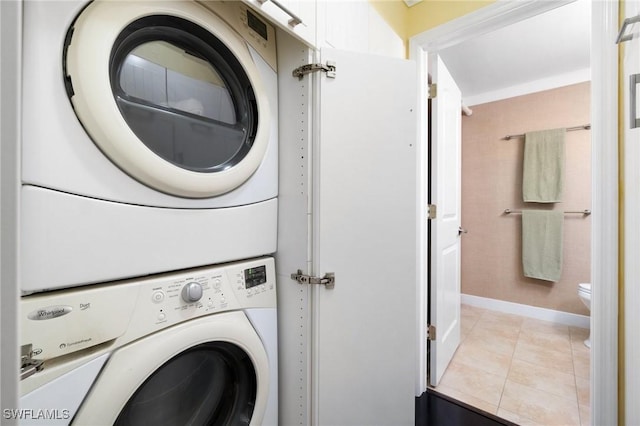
169, 93
209, 384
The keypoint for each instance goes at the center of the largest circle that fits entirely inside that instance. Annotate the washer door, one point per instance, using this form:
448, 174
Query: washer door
169, 93
208, 384
211, 371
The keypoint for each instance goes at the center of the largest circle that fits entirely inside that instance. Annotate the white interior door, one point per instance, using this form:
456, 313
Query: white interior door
364, 366
444, 288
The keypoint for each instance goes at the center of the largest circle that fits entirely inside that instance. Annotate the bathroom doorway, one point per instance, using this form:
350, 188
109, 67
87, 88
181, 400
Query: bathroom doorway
523, 336
438, 43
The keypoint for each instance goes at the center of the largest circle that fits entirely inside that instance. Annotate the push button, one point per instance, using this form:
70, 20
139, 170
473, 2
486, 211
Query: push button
157, 296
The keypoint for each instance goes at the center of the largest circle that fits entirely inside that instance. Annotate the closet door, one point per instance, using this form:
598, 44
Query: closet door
364, 329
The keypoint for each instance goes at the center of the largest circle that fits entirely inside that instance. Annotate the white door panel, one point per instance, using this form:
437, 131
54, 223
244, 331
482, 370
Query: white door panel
444, 309
365, 232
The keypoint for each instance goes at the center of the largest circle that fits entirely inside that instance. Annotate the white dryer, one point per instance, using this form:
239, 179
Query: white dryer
196, 347
149, 139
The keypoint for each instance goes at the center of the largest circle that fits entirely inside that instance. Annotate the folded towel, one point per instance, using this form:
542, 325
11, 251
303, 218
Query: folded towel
542, 244
543, 168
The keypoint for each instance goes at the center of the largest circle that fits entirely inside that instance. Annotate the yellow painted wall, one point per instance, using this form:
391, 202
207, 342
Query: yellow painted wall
410, 21
622, 334
431, 13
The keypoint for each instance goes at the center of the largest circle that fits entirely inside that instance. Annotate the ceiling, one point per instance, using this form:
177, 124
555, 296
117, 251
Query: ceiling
551, 49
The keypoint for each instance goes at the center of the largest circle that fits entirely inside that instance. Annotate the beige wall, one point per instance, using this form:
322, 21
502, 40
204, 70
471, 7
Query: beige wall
492, 182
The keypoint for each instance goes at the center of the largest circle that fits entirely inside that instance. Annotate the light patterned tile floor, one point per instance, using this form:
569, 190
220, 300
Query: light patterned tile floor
528, 371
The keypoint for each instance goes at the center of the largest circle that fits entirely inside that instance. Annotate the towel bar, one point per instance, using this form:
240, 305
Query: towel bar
622, 37
569, 129
584, 212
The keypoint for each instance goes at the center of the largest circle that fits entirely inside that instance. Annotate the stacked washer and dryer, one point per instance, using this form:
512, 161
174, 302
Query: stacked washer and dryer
149, 211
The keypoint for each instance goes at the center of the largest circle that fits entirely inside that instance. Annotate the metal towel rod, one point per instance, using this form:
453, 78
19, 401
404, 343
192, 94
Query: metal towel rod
584, 212
569, 129
622, 37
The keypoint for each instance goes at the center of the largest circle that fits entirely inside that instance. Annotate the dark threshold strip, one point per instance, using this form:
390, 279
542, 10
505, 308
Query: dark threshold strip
436, 409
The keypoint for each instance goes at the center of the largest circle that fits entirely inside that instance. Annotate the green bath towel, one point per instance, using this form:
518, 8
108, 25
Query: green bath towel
542, 244
543, 168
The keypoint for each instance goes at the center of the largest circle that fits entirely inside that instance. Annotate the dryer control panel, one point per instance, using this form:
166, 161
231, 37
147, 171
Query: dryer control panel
253, 28
67, 321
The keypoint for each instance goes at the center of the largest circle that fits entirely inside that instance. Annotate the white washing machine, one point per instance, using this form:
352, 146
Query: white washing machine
149, 139
195, 347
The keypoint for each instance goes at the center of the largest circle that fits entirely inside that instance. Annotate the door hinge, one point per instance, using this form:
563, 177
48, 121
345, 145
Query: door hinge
432, 211
28, 365
329, 69
329, 279
431, 332
433, 91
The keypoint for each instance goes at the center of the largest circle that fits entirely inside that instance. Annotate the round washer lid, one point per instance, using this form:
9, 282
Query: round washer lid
170, 94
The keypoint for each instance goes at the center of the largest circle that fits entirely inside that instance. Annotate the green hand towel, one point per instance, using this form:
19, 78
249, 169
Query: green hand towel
543, 168
542, 244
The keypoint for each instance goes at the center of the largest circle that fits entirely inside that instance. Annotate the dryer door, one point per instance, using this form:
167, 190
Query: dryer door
211, 371
169, 93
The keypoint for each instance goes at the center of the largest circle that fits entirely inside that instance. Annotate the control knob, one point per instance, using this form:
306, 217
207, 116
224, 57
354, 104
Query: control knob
192, 292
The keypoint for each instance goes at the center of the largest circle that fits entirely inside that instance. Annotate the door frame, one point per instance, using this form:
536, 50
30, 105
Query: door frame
604, 180
631, 152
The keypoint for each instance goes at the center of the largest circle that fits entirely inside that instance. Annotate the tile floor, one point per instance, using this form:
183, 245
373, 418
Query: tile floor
528, 371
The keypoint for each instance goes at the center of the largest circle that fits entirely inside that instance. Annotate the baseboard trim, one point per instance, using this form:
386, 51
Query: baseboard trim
544, 314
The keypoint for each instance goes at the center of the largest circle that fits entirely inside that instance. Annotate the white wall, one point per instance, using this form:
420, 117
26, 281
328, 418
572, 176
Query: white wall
534, 86
10, 35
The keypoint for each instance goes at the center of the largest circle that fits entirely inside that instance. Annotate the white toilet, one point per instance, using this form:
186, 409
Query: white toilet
584, 292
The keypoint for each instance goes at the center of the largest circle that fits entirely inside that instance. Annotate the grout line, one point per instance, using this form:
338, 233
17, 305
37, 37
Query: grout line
573, 354
510, 365
520, 333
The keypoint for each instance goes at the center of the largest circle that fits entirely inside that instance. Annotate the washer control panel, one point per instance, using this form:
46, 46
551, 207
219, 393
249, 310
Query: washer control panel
208, 290
63, 322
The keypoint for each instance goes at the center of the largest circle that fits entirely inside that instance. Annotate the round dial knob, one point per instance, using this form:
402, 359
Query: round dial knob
192, 292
